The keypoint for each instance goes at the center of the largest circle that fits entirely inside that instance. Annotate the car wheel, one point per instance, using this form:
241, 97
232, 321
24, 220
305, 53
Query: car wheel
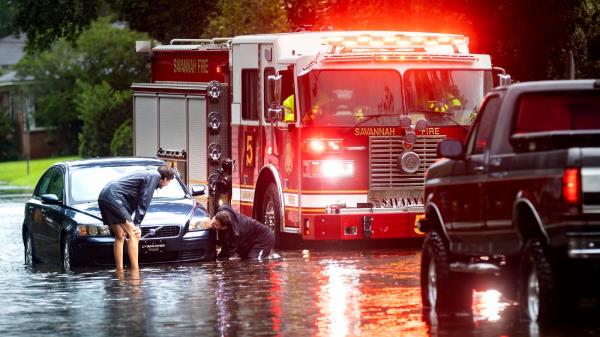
29, 256
271, 212
66, 254
537, 295
441, 290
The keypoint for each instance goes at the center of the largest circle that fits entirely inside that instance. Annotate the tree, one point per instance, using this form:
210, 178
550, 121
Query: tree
9, 137
239, 17
164, 20
65, 75
6, 18
46, 21
102, 110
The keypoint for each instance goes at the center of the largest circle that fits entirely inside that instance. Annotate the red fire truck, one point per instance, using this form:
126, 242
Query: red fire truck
321, 135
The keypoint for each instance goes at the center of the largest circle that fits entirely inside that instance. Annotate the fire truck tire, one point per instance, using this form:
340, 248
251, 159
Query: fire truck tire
270, 213
441, 290
538, 295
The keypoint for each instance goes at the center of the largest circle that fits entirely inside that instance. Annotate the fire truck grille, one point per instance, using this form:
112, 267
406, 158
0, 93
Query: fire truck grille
385, 171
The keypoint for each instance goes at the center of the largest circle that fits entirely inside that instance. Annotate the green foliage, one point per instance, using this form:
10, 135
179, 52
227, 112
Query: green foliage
102, 110
122, 142
165, 19
6, 18
45, 21
9, 137
102, 56
239, 17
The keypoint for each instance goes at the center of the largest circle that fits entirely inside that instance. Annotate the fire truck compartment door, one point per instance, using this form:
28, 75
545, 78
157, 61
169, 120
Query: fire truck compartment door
146, 125
197, 140
172, 121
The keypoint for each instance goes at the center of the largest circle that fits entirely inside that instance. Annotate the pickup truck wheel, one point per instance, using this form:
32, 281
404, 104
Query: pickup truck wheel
537, 289
440, 288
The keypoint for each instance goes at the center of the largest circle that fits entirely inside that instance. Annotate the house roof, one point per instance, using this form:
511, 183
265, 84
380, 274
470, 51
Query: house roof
11, 49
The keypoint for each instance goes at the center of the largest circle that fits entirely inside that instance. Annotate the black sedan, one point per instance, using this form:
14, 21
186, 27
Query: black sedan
63, 224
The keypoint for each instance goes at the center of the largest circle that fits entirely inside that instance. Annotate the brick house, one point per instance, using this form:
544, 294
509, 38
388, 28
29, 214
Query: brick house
15, 102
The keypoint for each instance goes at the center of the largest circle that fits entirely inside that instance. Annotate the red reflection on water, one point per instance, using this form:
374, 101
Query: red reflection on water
372, 302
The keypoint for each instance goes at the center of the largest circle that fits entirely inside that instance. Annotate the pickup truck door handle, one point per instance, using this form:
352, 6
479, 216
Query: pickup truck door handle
479, 169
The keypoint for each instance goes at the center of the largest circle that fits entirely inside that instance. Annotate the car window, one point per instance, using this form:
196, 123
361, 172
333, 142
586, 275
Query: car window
87, 182
482, 134
57, 184
42, 186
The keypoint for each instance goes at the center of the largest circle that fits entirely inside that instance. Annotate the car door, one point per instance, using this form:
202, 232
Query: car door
50, 226
468, 216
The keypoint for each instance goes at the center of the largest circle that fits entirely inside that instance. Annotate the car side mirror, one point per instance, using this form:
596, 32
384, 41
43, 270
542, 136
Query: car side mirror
51, 199
198, 190
450, 148
274, 112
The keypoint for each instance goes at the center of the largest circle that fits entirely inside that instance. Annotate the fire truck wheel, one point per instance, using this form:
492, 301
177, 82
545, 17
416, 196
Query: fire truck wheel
442, 290
271, 211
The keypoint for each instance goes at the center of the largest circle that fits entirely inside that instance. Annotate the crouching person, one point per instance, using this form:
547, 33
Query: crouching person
243, 235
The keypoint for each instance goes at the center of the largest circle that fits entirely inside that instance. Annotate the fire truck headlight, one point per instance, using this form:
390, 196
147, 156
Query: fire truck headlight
332, 168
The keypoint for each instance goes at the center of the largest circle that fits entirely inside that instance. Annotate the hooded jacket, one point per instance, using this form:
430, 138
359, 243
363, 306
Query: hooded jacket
133, 191
243, 233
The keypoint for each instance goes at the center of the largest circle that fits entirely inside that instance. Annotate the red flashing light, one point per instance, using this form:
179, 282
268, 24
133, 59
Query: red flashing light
323, 145
572, 186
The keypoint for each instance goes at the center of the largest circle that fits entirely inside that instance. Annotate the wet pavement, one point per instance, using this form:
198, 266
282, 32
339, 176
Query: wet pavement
334, 292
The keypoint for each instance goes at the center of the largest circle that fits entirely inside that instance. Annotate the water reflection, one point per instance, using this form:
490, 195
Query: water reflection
307, 293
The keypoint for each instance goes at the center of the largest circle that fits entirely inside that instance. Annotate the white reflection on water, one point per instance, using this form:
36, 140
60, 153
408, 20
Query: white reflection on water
488, 305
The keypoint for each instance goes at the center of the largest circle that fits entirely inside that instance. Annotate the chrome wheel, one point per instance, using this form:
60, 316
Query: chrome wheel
29, 250
270, 214
432, 283
533, 295
66, 257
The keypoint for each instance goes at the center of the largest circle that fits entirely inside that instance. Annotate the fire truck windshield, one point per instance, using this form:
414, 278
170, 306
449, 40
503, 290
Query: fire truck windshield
347, 97
368, 97
445, 96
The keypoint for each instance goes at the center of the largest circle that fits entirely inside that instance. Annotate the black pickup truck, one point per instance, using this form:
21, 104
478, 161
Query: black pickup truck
518, 200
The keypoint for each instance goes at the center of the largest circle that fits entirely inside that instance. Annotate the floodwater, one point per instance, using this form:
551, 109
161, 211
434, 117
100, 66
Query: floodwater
334, 292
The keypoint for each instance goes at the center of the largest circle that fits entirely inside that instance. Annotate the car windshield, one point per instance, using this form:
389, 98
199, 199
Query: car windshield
87, 182
347, 97
445, 96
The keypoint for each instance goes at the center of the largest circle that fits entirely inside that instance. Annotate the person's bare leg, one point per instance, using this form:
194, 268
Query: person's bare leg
134, 235
118, 247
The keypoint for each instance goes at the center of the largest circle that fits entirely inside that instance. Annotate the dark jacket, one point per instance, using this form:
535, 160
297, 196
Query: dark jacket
133, 191
242, 235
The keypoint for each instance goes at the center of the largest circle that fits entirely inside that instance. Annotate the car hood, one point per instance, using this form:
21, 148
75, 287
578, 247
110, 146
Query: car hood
176, 212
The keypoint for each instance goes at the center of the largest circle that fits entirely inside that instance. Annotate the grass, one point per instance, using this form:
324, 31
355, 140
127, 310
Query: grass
15, 172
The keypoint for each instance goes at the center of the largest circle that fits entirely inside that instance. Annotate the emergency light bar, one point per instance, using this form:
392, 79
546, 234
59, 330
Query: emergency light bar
399, 57
404, 42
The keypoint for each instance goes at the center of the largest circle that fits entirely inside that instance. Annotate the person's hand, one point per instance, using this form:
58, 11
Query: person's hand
136, 230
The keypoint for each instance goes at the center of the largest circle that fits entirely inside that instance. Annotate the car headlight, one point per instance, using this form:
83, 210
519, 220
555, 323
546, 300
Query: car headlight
93, 230
199, 223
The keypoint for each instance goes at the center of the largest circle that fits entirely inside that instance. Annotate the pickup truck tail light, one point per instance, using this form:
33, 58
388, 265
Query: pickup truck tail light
572, 186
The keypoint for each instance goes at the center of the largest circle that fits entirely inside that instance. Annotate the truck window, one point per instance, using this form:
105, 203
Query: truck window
482, 132
350, 96
250, 94
558, 111
445, 95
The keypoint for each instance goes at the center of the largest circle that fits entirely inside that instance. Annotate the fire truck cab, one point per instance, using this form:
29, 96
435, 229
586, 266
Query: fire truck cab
329, 134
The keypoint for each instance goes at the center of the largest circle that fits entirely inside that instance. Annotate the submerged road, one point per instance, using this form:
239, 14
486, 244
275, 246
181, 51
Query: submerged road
334, 292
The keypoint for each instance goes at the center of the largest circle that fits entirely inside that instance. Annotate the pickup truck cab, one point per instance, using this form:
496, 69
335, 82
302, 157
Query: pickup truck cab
520, 199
